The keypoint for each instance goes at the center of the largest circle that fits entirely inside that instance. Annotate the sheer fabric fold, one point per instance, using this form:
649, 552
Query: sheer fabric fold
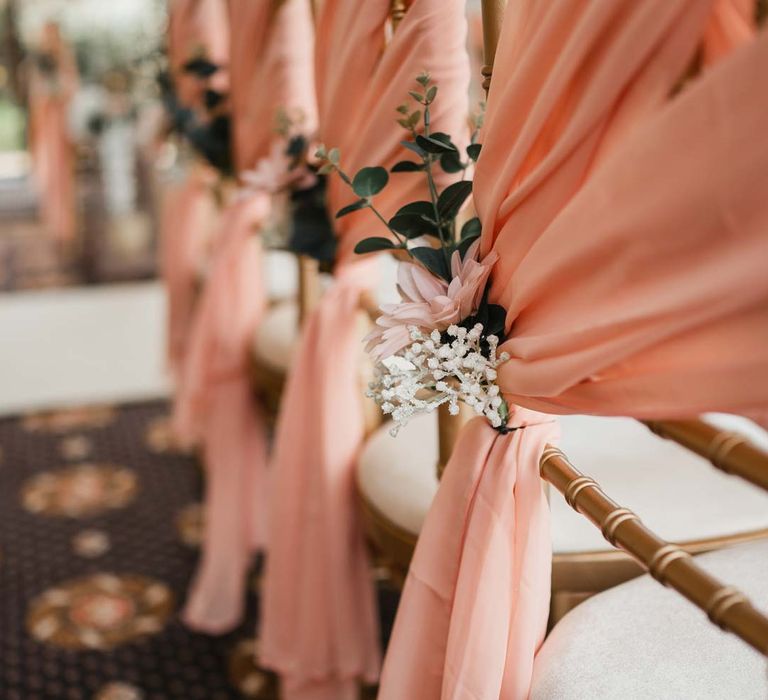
629, 219
319, 628
215, 405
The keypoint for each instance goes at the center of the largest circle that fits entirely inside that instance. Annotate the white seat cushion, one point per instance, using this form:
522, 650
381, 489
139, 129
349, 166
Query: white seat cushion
641, 641
277, 335
676, 493
281, 274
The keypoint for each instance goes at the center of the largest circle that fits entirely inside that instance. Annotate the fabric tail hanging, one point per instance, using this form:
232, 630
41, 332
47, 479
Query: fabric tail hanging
321, 419
215, 407
628, 228
188, 214
319, 626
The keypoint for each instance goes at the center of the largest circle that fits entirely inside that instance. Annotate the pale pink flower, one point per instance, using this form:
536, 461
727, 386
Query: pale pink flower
273, 173
429, 302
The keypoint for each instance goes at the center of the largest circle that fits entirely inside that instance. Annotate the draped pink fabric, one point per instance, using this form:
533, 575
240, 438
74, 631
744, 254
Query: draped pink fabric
269, 76
187, 219
214, 403
194, 26
53, 153
319, 628
197, 27
630, 227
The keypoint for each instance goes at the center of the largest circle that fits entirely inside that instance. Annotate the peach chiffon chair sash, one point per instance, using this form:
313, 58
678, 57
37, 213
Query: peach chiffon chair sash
214, 404
628, 225
319, 627
271, 70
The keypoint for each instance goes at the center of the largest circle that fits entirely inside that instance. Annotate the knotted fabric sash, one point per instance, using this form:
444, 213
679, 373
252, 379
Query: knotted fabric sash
318, 605
187, 220
629, 225
215, 406
319, 628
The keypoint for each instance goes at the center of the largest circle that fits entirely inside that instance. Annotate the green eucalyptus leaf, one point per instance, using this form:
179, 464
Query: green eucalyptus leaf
334, 155
471, 228
403, 109
421, 208
326, 169
432, 93
434, 260
473, 151
373, 245
416, 96
411, 146
370, 181
452, 197
413, 120
450, 162
407, 166
359, 204
465, 243
436, 143
413, 226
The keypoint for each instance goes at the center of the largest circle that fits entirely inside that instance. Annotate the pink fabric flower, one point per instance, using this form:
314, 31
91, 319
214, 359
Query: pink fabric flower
429, 302
274, 174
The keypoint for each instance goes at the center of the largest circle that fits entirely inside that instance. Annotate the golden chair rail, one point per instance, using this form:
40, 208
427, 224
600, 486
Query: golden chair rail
729, 451
667, 563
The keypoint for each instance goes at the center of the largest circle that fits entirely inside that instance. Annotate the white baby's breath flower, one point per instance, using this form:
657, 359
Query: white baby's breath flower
430, 372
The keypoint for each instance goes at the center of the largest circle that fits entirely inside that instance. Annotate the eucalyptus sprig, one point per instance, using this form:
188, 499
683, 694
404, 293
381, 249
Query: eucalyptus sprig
436, 217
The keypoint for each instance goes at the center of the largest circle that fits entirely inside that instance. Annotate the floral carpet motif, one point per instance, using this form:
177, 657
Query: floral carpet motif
96, 559
89, 603
81, 491
100, 611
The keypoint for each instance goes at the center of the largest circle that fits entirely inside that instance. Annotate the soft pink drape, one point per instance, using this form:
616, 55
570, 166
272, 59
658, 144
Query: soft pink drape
214, 403
188, 214
194, 26
631, 229
319, 628
52, 150
197, 27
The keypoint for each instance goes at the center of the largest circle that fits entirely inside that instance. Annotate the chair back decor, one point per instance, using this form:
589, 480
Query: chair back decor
53, 82
197, 30
628, 218
214, 403
319, 627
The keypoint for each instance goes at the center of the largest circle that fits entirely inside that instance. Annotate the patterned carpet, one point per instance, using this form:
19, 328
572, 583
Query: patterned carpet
99, 527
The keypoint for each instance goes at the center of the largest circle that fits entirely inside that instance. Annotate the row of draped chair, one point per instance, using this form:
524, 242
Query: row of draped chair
621, 184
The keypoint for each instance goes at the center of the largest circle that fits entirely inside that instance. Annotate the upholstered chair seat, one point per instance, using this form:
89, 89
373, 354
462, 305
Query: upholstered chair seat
676, 493
282, 278
640, 640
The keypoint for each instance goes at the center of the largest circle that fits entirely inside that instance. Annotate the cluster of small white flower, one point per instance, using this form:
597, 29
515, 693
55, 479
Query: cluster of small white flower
430, 372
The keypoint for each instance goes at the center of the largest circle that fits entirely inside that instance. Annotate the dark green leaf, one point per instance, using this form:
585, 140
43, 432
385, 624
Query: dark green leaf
422, 207
411, 146
412, 225
451, 163
471, 228
370, 181
452, 197
434, 260
359, 204
463, 246
372, 245
432, 93
435, 144
473, 150
416, 96
407, 166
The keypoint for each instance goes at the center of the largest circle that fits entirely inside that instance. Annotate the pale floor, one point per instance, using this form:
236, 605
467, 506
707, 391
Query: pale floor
82, 345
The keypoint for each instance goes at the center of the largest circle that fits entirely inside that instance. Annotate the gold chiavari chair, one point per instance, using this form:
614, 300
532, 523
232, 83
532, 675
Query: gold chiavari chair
398, 478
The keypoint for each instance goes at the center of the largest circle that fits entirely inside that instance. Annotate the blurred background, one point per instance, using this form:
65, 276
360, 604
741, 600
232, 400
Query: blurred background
81, 310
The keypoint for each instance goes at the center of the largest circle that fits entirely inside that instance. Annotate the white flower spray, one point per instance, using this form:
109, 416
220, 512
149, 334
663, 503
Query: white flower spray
430, 372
